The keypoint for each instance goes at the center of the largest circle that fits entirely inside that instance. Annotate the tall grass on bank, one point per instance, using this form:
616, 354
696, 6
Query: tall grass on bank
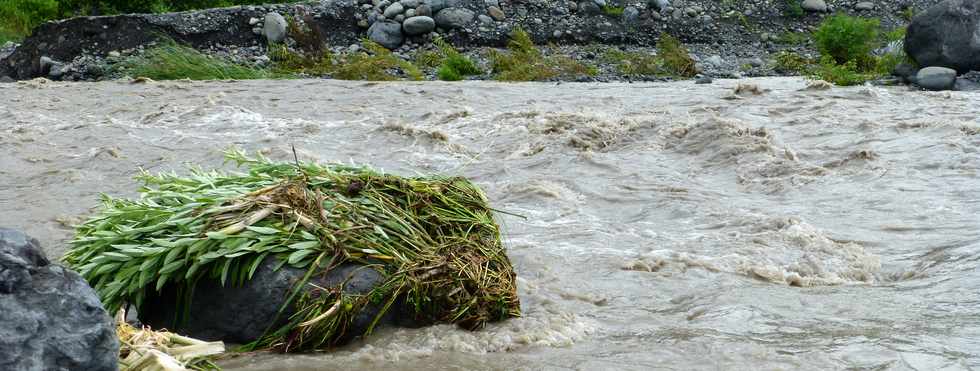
19, 17
524, 61
171, 61
433, 239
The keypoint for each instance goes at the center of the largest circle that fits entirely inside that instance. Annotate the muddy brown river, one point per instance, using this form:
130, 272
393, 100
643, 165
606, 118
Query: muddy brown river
666, 225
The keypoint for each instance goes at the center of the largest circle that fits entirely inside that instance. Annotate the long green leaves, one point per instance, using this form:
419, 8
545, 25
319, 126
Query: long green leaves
434, 240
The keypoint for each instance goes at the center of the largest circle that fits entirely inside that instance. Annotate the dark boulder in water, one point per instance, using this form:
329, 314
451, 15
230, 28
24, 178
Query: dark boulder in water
50, 319
241, 314
946, 35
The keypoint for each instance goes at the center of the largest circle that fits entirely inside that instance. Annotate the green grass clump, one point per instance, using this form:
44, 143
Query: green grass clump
793, 9
289, 63
19, 17
376, 63
433, 239
846, 38
454, 65
523, 61
789, 62
677, 60
614, 11
171, 61
793, 38
635, 63
845, 74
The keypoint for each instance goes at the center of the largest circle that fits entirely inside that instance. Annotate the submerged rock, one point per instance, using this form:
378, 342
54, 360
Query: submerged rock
50, 319
946, 35
242, 314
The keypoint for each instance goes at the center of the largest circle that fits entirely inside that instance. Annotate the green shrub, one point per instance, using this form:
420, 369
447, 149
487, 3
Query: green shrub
19, 17
793, 38
635, 63
288, 63
846, 38
170, 61
376, 64
845, 74
454, 66
677, 60
896, 34
789, 62
614, 11
793, 9
523, 61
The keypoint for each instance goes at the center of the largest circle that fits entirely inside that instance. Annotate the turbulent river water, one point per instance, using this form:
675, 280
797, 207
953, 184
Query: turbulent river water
666, 225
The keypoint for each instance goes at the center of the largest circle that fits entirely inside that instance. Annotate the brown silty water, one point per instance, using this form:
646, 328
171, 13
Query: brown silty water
668, 225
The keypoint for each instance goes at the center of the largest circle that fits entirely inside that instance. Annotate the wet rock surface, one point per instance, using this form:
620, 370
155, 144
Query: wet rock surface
50, 319
242, 314
946, 35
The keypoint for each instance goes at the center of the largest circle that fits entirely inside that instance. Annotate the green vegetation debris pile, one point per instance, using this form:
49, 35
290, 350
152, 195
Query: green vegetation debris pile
434, 239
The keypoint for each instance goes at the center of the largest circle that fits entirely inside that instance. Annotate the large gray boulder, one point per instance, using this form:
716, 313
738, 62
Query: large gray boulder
274, 28
386, 33
450, 18
947, 35
50, 319
419, 25
936, 78
242, 314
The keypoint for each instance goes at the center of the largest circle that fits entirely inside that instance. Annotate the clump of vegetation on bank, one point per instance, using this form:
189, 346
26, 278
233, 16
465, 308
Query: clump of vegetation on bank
453, 65
793, 9
524, 61
171, 61
672, 60
433, 239
846, 45
677, 60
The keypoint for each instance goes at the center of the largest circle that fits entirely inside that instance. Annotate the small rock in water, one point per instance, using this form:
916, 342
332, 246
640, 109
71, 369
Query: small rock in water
275, 27
814, 5
936, 78
253, 21
418, 25
700, 79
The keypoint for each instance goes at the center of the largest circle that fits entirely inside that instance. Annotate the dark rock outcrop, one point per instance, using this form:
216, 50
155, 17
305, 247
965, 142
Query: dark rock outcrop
50, 319
946, 35
66, 40
242, 314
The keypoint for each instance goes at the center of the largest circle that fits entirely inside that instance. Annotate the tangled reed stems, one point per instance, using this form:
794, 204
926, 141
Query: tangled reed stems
433, 239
